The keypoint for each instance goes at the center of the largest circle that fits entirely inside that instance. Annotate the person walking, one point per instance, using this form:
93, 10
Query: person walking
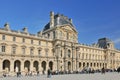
48, 73
103, 70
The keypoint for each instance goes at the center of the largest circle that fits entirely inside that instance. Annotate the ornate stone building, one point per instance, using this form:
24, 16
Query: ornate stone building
56, 47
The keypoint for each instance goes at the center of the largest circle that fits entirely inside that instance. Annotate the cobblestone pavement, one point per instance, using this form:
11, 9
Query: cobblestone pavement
96, 76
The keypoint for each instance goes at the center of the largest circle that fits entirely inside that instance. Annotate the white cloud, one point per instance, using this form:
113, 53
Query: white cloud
117, 41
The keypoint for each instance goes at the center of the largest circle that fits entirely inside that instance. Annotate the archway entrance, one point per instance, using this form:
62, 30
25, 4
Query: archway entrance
51, 65
27, 65
44, 65
79, 64
69, 66
36, 65
17, 66
6, 65
83, 64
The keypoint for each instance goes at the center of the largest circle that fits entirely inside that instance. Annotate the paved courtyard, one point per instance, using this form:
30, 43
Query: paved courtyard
96, 76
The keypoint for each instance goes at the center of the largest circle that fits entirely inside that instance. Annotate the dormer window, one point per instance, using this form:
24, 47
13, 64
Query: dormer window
48, 35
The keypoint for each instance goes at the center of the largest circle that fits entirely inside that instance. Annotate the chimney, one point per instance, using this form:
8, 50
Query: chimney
39, 33
25, 30
51, 19
70, 20
7, 26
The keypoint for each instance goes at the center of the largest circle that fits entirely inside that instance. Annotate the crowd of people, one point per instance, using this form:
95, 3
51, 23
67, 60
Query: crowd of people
50, 72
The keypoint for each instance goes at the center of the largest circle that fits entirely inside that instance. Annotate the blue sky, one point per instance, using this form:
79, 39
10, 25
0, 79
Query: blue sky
93, 19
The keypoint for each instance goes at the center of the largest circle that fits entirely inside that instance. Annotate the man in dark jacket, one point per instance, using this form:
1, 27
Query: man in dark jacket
118, 69
48, 73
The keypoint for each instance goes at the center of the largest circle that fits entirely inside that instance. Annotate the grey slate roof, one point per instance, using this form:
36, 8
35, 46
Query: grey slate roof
103, 42
62, 21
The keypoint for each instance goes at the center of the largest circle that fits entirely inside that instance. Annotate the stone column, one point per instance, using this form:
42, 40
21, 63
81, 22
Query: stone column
22, 66
31, 65
58, 55
11, 66
39, 66
66, 65
77, 65
1, 66
73, 58
77, 61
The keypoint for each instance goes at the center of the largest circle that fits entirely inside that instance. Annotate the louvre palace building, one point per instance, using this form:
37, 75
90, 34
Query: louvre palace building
56, 47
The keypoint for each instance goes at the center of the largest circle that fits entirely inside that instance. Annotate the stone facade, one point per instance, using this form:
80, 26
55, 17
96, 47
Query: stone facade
56, 47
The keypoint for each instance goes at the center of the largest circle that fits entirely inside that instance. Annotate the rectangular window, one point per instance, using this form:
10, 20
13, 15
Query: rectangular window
3, 37
23, 40
31, 51
14, 38
31, 41
3, 48
39, 42
23, 50
13, 50
39, 52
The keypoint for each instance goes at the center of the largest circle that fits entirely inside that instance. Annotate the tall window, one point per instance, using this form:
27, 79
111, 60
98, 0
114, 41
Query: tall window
3, 37
23, 50
61, 53
31, 41
3, 48
48, 35
69, 53
39, 42
14, 38
31, 51
13, 50
39, 52
23, 40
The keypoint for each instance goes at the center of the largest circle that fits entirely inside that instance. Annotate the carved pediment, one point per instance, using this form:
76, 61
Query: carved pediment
39, 48
69, 28
3, 44
23, 46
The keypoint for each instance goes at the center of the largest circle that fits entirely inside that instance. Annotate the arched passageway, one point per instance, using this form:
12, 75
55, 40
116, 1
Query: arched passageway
17, 64
83, 64
69, 66
51, 65
35, 64
79, 64
87, 64
44, 65
6, 65
27, 65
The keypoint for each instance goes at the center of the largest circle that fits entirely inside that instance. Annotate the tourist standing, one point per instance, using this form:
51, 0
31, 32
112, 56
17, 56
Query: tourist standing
48, 73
